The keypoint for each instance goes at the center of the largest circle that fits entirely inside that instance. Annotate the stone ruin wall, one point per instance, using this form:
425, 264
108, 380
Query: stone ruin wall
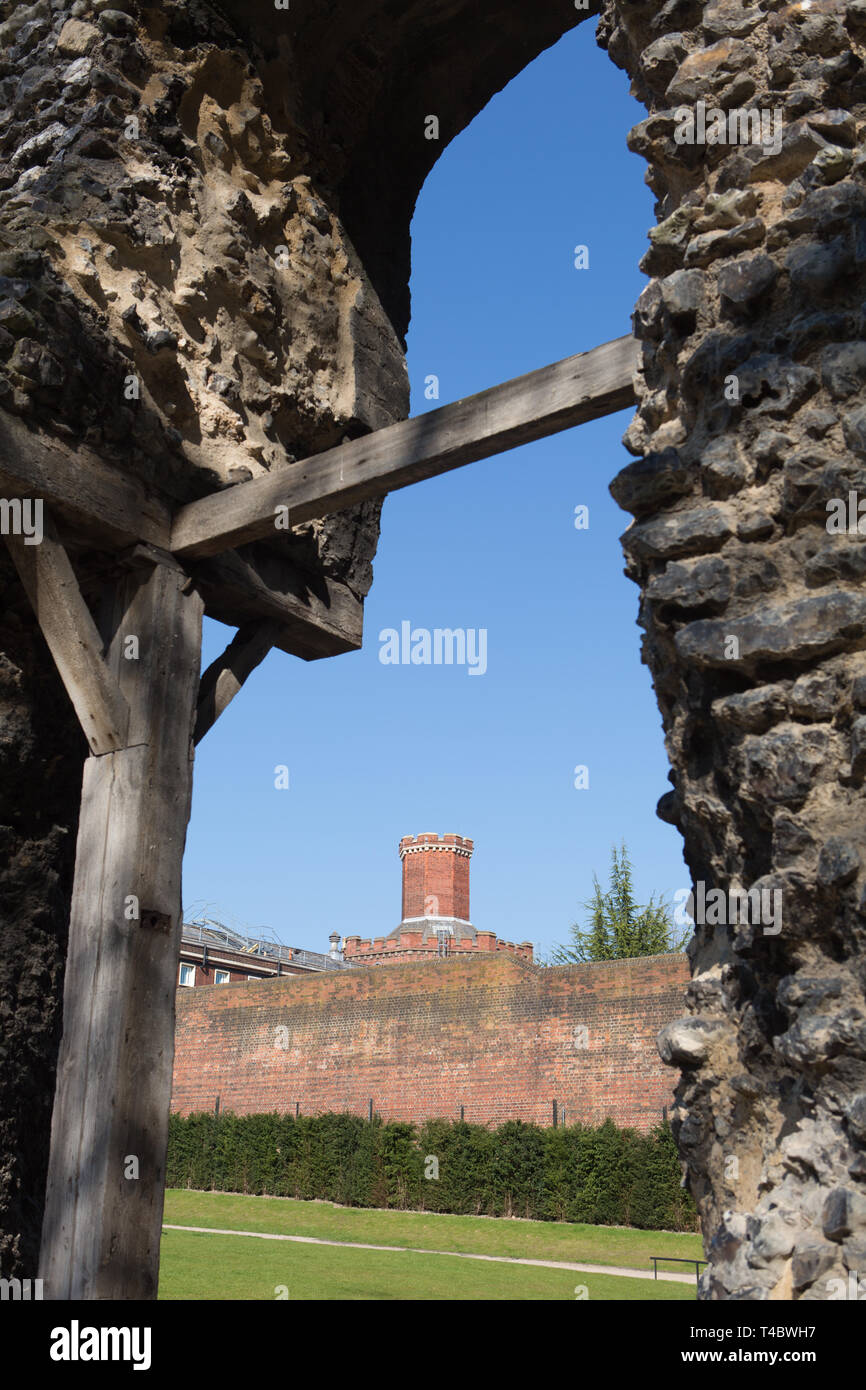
177, 293
757, 273
154, 254
201, 248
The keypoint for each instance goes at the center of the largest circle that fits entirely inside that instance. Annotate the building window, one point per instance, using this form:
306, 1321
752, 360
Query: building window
187, 974
220, 977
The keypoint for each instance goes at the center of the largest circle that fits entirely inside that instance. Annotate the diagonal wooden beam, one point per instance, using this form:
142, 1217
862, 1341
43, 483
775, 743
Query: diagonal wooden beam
224, 677
72, 637
317, 616
580, 388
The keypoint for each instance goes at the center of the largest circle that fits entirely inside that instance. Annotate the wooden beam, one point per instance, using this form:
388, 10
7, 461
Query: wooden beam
580, 388
110, 507
224, 677
72, 637
109, 1131
317, 616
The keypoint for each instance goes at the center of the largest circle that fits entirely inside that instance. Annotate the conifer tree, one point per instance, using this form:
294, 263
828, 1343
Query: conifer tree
617, 926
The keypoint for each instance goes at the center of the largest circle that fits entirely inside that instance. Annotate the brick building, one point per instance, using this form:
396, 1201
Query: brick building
435, 918
211, 954
468, 1024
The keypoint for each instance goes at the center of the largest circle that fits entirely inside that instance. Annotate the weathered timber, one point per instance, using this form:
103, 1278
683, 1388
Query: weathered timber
144, 556
72, 637
580, 388
112, 509
104, 1198
224, 677
318, 616
103, 509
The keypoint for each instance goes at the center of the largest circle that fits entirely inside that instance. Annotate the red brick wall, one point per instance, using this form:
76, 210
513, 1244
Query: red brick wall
486, 1032
409, 947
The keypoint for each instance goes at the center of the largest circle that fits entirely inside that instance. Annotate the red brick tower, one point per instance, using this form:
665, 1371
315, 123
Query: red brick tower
435, 877
435, 909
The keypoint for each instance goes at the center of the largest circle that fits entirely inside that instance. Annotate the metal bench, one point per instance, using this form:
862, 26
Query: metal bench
675, 1259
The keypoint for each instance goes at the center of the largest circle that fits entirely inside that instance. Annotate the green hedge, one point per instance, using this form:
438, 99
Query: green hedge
603, 1176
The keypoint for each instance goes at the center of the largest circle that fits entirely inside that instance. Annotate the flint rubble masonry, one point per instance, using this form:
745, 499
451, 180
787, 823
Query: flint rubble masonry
757, 280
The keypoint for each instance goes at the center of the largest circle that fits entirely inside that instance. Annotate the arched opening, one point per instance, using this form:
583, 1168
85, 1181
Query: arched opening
497, 547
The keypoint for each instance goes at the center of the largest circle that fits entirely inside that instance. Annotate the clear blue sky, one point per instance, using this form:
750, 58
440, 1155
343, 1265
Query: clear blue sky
378, 751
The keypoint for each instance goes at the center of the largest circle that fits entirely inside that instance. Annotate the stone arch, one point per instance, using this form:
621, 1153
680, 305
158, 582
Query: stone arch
752, 416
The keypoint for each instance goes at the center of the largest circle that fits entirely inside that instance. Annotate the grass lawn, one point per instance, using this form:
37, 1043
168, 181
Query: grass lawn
233, 1267
237, 1267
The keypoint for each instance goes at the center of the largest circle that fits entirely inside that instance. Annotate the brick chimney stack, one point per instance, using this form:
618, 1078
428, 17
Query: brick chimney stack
435, 876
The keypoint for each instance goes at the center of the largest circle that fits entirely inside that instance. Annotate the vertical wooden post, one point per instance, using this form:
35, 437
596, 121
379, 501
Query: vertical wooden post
106, 1175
